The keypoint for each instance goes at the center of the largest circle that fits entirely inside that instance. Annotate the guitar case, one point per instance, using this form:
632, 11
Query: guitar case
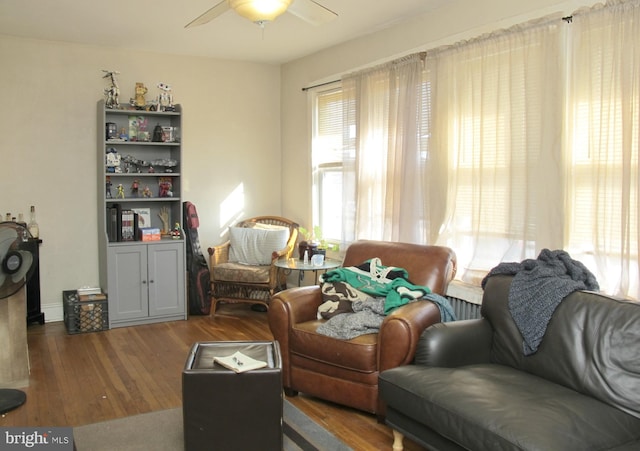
199, 283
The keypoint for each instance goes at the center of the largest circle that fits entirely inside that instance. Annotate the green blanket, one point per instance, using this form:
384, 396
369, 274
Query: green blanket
378, 280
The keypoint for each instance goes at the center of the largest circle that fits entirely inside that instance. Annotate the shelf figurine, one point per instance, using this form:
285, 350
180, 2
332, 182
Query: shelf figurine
166, 185
113, 160
120, 194
111, 93
146, 192
108, 187
165, 98
140, 102
158, 134
175, 233
134, 188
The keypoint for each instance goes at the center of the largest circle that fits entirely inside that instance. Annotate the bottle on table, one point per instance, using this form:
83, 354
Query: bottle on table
34, 230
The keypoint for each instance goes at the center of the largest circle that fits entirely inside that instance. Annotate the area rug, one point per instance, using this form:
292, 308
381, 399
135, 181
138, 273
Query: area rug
163, 431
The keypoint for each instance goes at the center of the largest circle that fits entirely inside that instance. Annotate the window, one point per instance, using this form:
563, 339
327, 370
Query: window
526, 138
603, 145
327, 163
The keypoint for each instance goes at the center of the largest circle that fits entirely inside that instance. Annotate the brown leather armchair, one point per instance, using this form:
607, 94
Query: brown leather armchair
346, 371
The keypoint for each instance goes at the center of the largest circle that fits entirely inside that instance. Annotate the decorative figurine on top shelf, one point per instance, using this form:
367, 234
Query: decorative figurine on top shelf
120, 194
112, 93
175, 233
140, 102
134, 188
165, 98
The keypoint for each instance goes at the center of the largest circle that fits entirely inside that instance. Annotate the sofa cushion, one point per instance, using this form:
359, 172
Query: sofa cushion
255, 245
590, 344
358, 354
495, 407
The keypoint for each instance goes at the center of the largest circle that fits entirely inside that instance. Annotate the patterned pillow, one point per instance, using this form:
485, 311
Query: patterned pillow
254, 246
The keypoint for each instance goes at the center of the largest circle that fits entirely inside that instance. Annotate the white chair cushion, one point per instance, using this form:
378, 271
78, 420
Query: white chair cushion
254, 246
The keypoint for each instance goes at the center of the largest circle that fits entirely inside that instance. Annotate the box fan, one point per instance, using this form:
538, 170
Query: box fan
17, 265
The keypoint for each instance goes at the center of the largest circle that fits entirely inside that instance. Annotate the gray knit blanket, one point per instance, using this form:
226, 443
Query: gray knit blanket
538, 287
366, 318
368, 314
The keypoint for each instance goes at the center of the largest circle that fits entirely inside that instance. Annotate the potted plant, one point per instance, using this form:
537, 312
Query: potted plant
314, 243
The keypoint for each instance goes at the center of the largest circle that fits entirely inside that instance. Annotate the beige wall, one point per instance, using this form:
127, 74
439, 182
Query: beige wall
453, 22
231, 130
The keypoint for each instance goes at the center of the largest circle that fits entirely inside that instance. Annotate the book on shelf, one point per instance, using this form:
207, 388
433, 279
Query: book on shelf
240, 362
128, 233
88, 290
144, 217
112, 224
122, 224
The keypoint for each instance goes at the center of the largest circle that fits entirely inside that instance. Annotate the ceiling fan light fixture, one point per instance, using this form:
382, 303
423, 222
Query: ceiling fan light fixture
260, 11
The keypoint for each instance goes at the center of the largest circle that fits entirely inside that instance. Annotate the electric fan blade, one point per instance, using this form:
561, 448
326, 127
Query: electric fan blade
311, 12
27, 260
7, 238
209, 15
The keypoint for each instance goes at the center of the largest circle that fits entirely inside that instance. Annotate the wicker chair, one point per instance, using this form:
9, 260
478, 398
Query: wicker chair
235, 282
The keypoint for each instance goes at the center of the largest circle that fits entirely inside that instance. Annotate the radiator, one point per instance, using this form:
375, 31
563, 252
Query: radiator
464, 309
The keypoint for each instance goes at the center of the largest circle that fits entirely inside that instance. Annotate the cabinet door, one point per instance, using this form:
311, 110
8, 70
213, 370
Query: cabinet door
166, 279
127, 283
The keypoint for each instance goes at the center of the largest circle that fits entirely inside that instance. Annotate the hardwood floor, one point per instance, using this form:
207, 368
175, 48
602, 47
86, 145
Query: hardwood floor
86, 378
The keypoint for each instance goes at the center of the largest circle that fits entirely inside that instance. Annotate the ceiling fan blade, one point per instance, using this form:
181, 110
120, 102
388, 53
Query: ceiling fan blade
209, 15
311, 12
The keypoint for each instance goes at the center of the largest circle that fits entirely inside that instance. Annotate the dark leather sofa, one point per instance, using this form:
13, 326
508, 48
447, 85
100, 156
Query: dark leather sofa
472, 387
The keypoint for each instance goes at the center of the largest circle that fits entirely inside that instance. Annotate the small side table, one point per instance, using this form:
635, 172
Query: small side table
228, 411
293, 264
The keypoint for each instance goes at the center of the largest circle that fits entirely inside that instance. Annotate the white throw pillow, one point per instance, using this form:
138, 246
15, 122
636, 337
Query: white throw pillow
254, 246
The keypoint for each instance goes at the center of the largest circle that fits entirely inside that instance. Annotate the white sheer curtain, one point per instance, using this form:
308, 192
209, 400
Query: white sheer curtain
523, 139
497, 115
603, 125
383, 127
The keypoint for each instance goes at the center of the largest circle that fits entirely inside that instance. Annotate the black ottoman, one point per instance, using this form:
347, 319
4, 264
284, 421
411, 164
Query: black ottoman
228, 411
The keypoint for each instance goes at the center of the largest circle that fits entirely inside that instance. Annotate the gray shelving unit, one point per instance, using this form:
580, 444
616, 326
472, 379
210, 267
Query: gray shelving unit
144, 280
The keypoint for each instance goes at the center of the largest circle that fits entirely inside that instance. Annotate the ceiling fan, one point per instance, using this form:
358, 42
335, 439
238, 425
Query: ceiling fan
264, 11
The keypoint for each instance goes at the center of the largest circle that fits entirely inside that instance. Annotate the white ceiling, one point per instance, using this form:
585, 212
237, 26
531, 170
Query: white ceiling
158, 25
